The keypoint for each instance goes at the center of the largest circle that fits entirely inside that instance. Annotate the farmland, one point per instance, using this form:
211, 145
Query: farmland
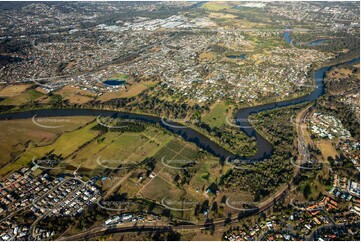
22, 98
66, 144
19, 135
167, 153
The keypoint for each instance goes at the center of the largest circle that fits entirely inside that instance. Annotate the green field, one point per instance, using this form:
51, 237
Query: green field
18, 134
158, 189
119, 148
83, 146
66, 144
217, 116
216, 6
209, 170
176, 153
120, 77
22, 98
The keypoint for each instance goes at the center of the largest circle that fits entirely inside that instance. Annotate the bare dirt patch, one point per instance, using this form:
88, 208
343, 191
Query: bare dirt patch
327, 149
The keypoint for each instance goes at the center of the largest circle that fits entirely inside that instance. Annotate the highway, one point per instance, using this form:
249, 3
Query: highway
304, 155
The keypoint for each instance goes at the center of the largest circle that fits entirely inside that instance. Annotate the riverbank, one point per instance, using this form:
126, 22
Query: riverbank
210, 144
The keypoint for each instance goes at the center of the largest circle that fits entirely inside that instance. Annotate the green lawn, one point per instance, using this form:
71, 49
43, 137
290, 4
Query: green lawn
216, 6
217, 116
120, 77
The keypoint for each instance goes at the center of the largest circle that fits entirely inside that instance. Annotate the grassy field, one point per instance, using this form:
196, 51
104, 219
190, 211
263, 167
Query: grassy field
222, 15
11, 91
216, 6
205, 236
66, 144
208, 171
158, 189
16, 135
163, 185
327, 149
176, 154
120, 76
22, 98
131, 186
153, 142
132, 91
207, 56
88, 155
121, 148
74, 95
217, 116
262, 44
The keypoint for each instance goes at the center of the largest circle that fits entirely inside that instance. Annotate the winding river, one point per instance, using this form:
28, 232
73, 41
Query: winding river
264, 147
264, 150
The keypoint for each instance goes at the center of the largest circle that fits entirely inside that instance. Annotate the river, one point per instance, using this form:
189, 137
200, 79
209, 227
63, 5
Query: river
177, 128
264, 148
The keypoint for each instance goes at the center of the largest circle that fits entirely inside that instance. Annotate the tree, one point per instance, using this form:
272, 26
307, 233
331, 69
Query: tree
214, 207
307, 191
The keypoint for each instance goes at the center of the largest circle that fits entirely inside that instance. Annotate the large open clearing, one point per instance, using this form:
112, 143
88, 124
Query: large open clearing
10, 91
216, 6
17, 135
327, 149
66, 144
218, 114
131, 91
22, 98
114, 149
74, 95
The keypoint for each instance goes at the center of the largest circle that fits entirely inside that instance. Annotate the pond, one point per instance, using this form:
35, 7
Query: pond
242, 57
114, 82
317, 42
